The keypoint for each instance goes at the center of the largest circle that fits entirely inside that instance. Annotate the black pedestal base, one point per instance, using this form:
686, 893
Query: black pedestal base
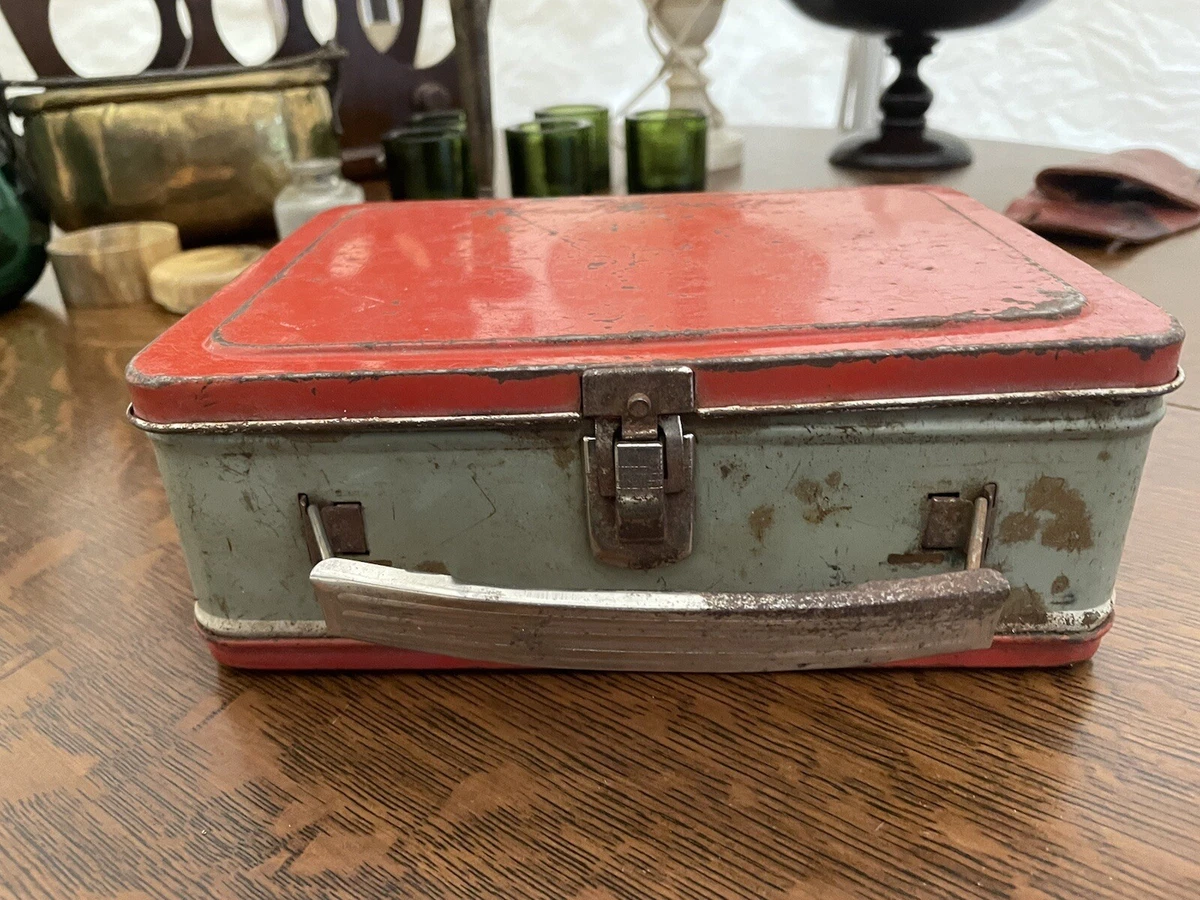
902, 150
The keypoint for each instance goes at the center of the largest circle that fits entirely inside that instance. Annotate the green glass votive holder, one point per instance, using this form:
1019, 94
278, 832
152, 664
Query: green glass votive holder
665, 151
550, 157
428, 162
598, 116
440, 118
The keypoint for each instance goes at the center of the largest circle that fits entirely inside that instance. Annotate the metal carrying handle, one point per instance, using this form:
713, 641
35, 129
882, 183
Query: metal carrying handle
874, 622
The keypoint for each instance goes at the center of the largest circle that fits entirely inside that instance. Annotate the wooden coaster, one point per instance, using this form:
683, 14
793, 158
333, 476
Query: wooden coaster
182, 282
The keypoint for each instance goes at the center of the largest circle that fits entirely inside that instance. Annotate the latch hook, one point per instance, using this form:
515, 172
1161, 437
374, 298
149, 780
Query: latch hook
639, 465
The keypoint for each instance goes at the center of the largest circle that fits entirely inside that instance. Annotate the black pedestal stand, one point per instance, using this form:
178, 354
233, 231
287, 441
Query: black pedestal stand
903, 142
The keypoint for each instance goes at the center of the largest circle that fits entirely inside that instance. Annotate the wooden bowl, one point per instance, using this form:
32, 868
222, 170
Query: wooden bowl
110, 265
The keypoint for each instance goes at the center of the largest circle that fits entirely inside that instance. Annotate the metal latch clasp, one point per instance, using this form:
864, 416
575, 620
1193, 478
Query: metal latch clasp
639, 465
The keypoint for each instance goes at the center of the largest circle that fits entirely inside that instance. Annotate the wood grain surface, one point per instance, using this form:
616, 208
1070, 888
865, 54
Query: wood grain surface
132, 766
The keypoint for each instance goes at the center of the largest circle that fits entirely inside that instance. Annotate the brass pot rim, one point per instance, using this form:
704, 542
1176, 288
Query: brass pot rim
66, 93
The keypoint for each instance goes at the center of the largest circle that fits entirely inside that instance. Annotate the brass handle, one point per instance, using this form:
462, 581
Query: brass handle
875, 622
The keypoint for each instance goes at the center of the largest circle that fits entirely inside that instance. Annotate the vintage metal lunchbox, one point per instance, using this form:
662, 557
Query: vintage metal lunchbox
712, 432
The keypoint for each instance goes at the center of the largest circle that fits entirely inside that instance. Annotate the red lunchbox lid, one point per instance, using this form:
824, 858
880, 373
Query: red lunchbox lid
468, 308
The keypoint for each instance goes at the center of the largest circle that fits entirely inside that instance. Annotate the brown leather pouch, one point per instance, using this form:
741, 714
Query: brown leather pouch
1130, 197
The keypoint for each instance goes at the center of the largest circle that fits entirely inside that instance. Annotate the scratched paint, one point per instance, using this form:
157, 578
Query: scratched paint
761, 519
817, 497
1025, 604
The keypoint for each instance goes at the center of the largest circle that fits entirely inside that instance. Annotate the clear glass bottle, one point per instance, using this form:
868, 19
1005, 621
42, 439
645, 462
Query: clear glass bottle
316, 185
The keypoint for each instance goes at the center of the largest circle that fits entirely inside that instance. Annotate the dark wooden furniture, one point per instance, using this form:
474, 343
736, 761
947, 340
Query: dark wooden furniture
132, 766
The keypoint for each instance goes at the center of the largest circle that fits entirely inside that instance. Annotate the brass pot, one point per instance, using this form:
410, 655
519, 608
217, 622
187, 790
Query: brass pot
206, 149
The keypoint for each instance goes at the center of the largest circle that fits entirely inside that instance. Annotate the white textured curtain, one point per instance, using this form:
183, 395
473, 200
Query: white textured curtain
1080, 73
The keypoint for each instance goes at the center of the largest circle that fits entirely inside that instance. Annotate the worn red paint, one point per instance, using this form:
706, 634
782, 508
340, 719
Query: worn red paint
480, 307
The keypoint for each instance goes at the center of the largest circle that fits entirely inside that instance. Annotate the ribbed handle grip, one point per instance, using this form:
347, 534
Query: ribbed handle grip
875, 622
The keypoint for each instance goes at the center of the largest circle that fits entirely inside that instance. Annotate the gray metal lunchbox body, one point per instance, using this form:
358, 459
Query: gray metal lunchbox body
790, 503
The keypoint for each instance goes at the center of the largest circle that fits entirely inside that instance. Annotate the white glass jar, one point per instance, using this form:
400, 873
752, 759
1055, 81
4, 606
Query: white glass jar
316, 185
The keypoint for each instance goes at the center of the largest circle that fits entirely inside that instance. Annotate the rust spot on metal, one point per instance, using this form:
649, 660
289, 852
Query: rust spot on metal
1024, 605
807, 491
1018, 527
811, 494
761, 521
834, 479
1056, 511
432, 567
916, 558
1060, 584
818, 514
1070, 525
734, 469
564, 457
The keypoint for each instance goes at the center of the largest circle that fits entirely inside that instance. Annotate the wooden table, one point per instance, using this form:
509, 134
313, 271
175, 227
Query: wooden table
132, 766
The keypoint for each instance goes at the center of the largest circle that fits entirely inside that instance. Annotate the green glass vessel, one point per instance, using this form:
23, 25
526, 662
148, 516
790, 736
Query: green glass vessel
665, 151
440, 118
24, 231
429, 162
598, 116
550, 158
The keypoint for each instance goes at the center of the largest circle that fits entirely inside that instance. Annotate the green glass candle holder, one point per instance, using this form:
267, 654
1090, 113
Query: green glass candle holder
440, 118
550, 157
598, 116
665, 151
427, 162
